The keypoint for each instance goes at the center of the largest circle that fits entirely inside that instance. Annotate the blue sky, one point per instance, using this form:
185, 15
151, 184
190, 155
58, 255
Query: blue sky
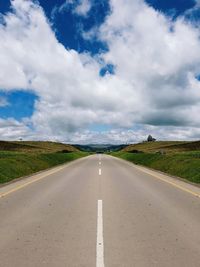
69, 26
19, 105
87, 30
179, 6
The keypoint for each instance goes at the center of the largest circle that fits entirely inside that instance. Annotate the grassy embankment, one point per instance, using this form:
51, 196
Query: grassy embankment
180, 159
19, 159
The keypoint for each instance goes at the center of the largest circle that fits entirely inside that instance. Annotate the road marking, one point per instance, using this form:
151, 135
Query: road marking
99, 245
99, 171
30, 182
170, 182
157, 176
99, 162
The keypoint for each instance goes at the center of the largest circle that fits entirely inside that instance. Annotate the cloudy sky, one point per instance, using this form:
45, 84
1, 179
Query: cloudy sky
99, 71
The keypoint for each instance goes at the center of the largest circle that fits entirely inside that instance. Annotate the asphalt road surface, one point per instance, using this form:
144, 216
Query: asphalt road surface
99, 211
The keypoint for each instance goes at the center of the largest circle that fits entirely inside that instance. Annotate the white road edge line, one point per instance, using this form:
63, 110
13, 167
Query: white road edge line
99, 171
100, 245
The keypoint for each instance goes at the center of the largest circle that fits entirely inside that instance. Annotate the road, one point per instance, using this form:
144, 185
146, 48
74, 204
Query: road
99, 211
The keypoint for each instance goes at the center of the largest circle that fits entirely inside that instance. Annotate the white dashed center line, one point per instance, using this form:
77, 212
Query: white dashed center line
99, 245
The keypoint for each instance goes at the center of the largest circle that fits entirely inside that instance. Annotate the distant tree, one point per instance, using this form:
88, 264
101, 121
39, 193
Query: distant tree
150, 139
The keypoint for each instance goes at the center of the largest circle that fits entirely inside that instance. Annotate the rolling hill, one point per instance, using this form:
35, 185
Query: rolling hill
36, 147
181, 159
22, 158
163, 146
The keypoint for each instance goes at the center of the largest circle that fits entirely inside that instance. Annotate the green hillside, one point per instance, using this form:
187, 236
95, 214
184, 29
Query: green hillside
36, 146
181, 159
23, 158
164, 146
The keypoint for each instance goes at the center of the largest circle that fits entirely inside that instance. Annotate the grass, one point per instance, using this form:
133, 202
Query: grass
36, 146
164, 146
17, 164
185, 165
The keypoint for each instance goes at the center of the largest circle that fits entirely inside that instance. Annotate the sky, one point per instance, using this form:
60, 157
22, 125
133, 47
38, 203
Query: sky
99, 71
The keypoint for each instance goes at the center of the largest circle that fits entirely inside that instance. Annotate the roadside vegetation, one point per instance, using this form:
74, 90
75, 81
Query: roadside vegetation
19, 159
36, 146
180, 159
164, 146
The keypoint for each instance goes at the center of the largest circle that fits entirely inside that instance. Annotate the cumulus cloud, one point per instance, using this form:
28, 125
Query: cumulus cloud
138, 134
158, 57
83, 8
11, 129
156, 64
71, 92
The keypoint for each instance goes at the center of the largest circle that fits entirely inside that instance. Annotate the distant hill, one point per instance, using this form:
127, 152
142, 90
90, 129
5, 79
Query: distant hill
100, 147
165, 146
36, 146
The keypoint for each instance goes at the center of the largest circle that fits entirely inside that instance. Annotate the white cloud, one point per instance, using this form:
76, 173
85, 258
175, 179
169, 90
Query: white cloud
192, 14
62, 8
139, 134
159, 58
83, 8
156, 61
4, 101
197, 5
11, 129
